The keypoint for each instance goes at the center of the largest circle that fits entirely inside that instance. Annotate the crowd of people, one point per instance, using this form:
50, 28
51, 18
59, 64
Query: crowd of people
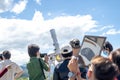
72, 67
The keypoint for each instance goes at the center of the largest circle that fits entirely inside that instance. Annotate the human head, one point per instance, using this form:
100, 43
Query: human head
33, 49
103, 69
115, 57
66, 51
107, 47
6, 54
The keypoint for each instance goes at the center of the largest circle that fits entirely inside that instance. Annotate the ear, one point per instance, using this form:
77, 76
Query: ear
115, 78
89, 74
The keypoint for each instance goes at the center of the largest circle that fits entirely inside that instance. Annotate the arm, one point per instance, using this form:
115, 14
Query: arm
18, 75
19, 72
73, 67
45, 65
3, 72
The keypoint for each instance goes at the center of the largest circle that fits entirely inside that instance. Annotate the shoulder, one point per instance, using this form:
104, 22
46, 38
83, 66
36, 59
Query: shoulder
58, 66
15, 65
1, 62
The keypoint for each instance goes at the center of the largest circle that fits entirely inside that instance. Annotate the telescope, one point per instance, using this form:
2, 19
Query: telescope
56, 53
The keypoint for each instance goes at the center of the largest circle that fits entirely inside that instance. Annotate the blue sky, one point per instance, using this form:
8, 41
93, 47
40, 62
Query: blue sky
28, 21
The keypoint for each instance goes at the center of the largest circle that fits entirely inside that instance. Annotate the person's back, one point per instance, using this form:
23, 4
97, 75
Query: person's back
14, 72
61, 70
35, 65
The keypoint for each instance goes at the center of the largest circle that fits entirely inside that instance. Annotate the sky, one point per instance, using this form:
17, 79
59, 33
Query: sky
23, 22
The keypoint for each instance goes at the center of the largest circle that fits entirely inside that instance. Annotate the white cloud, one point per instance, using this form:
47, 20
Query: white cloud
19, 56
5, 5
38, 2
16, 34
12, 6
112, 32
19, 7
98, 29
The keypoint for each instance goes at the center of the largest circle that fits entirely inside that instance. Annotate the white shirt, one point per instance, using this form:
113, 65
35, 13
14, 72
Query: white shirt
9, 75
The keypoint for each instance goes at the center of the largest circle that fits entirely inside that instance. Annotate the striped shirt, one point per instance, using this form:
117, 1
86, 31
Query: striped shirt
9, 75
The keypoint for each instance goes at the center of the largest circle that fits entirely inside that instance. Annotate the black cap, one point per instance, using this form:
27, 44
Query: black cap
108, 45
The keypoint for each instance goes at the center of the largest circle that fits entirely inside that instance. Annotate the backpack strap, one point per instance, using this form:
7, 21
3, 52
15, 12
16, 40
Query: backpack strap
42, 68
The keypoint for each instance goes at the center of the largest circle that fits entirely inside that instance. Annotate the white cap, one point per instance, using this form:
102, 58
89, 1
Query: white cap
66, 49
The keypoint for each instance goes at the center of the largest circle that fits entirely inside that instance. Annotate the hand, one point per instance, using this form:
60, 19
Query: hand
8, 66
73, 65
46, 58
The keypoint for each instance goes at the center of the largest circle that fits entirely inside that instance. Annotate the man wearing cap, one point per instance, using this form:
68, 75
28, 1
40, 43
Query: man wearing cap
61, 70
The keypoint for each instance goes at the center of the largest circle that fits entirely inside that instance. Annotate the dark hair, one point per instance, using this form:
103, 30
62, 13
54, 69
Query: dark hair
33, 49
104, 69
6, 54
1, 57
75, 43
116, 57
108, 45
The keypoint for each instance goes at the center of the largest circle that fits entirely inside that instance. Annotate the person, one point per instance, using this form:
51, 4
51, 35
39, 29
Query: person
61, 70
115, 57
107, 48
101, 68
36, 64
75, 44
15, 71
2, 72
1, 58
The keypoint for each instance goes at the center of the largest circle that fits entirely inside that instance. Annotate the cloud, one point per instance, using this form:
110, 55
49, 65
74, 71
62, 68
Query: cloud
19, 56
112, 32
19, 7
98, 29
12, 6
16, 34
5, 5
38, 2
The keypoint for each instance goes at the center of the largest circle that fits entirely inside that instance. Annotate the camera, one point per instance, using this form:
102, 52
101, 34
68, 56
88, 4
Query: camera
1, 58
75, 43
43, 54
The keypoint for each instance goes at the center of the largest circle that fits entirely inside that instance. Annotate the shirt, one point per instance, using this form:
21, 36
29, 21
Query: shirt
9, 75
61, 71
35, 70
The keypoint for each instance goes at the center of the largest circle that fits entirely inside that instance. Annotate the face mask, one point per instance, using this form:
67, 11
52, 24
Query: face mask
105, 54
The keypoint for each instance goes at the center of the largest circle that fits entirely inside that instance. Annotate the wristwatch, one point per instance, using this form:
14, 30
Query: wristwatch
71, 74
